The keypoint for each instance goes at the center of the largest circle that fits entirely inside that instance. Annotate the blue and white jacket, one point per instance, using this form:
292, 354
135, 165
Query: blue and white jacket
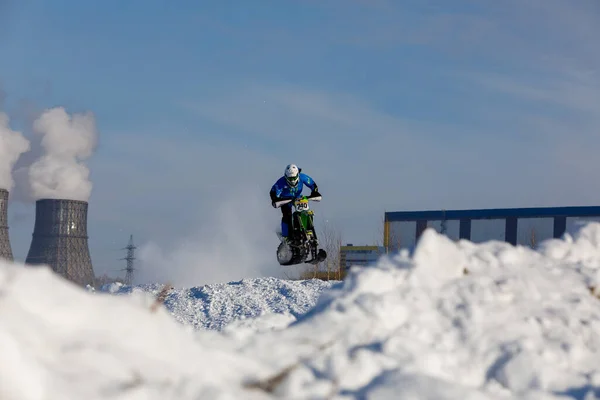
281, 189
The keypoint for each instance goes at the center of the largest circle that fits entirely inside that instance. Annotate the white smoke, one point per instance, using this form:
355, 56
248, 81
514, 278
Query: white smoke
67, 142
12, 145
238, 241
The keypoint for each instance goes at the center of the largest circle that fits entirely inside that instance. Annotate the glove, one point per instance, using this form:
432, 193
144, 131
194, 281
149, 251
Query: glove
273, 198
315, 193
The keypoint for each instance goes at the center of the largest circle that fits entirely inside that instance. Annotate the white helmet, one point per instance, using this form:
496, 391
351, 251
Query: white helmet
292, 175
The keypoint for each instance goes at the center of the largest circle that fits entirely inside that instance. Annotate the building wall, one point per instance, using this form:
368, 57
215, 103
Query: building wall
449, 228
359, 255
402, 234
574, 222
527, 226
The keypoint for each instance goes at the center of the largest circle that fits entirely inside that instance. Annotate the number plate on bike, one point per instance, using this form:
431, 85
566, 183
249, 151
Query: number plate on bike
302, 205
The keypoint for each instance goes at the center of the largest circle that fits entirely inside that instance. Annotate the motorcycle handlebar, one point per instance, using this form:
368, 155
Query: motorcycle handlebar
290, 200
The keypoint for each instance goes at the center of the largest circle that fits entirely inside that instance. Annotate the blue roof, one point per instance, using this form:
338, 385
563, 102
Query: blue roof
585, 211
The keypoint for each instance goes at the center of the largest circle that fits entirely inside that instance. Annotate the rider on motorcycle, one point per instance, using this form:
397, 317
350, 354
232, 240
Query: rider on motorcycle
290, 185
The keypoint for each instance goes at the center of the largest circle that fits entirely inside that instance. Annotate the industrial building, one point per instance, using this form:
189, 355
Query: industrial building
518, 226
359, 255
60, 239
5, 248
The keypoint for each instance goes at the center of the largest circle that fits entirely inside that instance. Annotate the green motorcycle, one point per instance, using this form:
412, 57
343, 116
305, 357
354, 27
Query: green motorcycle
302, 241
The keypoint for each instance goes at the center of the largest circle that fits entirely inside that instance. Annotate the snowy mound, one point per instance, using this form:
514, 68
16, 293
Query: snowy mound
216, 306
455, 321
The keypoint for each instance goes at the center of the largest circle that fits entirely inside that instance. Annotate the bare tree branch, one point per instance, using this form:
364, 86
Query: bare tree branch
330, 239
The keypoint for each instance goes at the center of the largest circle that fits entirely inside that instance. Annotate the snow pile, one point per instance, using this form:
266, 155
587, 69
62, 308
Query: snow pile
61, 342
455, 321
277, 302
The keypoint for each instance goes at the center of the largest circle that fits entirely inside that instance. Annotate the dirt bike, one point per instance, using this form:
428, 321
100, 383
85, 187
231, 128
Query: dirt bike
302, 240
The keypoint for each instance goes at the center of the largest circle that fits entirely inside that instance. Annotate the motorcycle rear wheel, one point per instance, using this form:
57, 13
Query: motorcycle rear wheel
287, 255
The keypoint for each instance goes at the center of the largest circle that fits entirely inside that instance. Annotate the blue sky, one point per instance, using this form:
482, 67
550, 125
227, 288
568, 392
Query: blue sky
388, 105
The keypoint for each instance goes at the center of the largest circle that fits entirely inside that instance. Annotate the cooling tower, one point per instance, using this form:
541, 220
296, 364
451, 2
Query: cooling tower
60, 239
5, 249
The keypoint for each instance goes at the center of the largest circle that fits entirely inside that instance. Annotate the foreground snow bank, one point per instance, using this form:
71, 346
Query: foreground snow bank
263, 302
457, 320
58, 341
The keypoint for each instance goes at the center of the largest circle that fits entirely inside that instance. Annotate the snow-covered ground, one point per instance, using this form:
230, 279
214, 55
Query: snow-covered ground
454, 321
217, 306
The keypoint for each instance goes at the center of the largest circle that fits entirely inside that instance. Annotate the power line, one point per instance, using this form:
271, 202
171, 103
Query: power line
130, 260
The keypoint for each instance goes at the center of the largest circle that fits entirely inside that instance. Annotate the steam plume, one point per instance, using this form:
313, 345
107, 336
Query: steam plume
12, 144
234, 243
67, 141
